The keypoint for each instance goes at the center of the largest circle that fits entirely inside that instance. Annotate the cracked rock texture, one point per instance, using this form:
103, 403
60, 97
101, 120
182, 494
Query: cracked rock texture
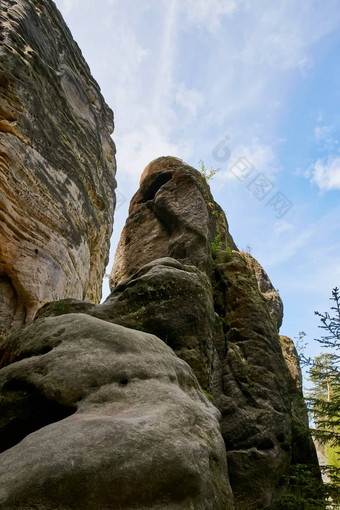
57, 165
218, 310
251, 386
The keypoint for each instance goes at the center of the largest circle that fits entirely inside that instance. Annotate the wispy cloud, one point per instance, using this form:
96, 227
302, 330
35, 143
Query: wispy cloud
209, 12
259, 156
137, 148
322, 133
310, 243
164, 73
326, 173
191, 99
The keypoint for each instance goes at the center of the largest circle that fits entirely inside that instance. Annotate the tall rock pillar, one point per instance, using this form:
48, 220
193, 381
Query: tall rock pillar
57, 165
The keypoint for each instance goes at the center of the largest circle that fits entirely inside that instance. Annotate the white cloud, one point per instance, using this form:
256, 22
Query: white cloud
326, 174
137, 148
322, 133
164, 75
69, 5
257, 156
282, 226
281, 34
190, 99
209, 12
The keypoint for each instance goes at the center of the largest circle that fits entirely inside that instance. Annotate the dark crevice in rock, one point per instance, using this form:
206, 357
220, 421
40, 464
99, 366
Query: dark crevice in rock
151, 191
24, 409
265, 444
8, 304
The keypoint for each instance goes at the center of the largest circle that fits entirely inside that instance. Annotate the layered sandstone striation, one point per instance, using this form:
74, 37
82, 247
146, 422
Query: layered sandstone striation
57, 165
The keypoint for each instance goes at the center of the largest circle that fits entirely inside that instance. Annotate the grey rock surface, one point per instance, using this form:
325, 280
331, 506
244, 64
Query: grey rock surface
251, 387
95, 415
249, 378
169, 299
303, 449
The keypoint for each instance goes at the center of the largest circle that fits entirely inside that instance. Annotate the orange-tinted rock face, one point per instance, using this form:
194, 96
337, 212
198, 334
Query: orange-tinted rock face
57, 165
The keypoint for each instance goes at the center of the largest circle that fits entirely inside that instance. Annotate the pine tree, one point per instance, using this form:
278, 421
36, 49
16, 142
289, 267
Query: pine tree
324, 397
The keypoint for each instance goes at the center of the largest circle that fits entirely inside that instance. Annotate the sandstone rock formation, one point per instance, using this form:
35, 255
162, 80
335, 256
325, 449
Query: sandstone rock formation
99, 407
251, 387
248, 376
95, 415
303, 451
172, 300
219, 312
173, 215
57, 165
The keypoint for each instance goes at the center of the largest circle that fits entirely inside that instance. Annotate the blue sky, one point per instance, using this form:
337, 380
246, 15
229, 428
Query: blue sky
258, 80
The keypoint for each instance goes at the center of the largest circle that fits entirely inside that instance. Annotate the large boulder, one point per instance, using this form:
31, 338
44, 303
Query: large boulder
57, 165
96, 415
169, 299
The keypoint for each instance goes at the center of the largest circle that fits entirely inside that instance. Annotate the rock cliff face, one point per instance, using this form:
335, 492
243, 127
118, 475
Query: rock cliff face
244, 367
172, 215
217, 309
57, 165
102, 406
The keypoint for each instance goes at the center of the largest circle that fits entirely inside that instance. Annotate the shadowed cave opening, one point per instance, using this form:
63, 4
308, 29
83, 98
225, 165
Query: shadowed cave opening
155, 186
24, 410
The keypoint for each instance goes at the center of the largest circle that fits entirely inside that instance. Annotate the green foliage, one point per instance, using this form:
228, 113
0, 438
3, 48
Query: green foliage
207, 173
324, 397
306, 491
216, 245
210, 397
219, 251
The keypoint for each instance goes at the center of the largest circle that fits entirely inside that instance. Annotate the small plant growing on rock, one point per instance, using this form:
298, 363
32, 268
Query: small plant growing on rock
216, 245
219, 251
208, 395
207, 173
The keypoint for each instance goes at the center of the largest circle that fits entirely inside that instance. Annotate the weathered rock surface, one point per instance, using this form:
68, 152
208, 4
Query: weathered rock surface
173, 215
303, 450
113, 405
167, 298
251, 387
95, 410
95, 415
57, 165
274, 302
